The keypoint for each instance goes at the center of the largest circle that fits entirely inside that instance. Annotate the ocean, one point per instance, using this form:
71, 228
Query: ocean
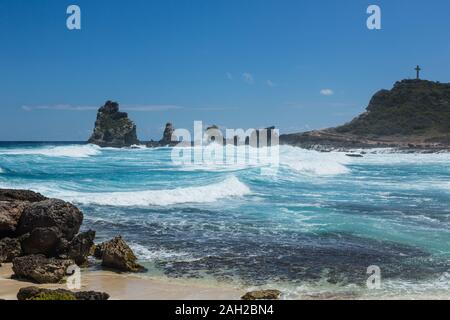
310, 229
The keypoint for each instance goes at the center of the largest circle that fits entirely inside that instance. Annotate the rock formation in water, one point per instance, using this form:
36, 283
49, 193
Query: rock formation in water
113, 128
166, 139
413, 114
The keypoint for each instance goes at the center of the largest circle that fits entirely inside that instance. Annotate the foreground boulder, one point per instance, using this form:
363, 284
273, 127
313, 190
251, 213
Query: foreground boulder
118, 255
113, 128
62, 216
41, 241
9, 249
35, 293
262, 295
41, 269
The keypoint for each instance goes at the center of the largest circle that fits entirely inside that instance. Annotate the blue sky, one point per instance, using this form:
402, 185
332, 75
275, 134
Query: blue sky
295, 64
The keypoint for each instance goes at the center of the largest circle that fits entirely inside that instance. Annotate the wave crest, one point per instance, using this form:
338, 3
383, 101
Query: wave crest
231, 187
73, 151
314, 162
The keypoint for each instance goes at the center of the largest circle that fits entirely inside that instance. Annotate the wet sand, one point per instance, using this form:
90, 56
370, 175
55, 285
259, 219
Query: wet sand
135, 287
128, 287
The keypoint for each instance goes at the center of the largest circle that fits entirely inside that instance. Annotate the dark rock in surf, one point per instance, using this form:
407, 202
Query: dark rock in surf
116, 254
113, 128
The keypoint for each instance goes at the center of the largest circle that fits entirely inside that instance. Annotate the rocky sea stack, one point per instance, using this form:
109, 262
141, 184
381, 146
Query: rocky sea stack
413, 114
113, 128
166, 139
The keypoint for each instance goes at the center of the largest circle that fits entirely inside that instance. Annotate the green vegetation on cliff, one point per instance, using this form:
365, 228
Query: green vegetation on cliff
411, 108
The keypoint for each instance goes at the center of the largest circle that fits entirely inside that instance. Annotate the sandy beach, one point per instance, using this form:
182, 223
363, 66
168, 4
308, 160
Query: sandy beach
127, 287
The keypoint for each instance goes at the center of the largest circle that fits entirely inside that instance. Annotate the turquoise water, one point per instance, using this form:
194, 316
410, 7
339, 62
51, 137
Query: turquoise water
319, 222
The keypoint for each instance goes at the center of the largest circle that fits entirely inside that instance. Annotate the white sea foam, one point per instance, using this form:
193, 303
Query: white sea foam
146, 254
314, 162
231, 187
73, 151
1, 170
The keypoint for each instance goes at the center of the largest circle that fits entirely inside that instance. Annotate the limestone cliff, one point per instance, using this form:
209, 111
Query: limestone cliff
413, 114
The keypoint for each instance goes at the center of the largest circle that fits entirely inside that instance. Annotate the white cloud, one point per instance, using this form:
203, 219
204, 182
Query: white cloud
59, 107
248, 77
68, 107
270, 83
326, 92
229, 76
150, 108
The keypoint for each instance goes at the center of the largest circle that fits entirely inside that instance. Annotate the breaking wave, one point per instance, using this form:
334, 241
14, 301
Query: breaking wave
313, 162
231, 187
74, 151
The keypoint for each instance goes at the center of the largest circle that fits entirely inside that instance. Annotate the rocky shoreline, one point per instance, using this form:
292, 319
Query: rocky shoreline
41, 238
329, 140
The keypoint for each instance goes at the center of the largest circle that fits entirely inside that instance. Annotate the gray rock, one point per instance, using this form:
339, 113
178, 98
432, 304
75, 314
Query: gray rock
113, 128
41, 269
